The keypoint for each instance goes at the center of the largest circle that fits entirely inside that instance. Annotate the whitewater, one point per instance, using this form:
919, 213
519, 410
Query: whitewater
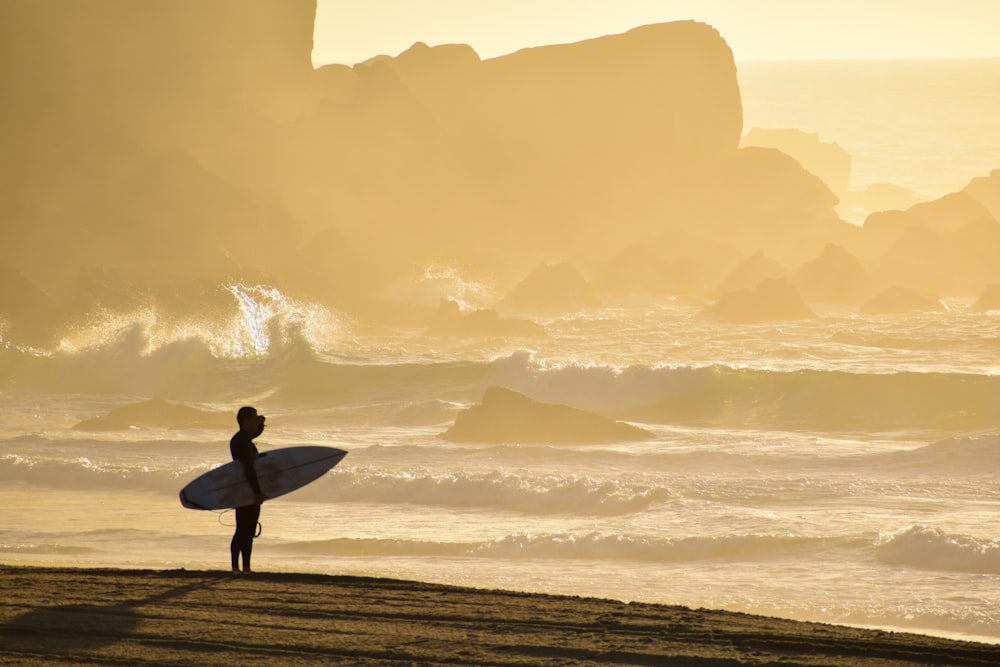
839, 470
842, 469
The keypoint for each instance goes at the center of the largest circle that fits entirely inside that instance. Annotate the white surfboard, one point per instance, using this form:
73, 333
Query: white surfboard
278, 472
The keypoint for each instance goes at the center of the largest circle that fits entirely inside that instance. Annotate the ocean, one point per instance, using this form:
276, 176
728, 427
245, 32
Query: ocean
842, 469
928, 125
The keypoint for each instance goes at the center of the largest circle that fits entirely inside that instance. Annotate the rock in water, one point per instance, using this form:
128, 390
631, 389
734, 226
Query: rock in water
508, 416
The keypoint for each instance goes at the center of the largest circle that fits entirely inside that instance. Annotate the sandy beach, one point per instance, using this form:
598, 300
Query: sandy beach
58, 616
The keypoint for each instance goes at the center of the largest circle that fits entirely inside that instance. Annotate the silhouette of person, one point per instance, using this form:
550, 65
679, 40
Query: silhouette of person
243, 449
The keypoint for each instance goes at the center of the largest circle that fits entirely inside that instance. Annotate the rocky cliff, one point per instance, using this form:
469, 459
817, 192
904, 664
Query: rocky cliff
168, 145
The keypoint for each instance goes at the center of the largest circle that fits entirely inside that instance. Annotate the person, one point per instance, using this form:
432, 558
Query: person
243, 449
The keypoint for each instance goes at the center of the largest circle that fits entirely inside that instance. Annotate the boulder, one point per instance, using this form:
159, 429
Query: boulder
751, 272
986, 191
828, 160
955, 263
508, 416
835, 276
771, 300
950, 212
550, 288
989, 299
882, 229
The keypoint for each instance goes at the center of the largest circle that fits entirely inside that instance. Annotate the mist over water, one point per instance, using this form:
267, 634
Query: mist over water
401, 237
839, 470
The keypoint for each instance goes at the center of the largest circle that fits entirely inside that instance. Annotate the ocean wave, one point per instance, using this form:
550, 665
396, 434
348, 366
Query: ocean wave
976, 454
9, 549
586, 546
296, 377
348, 547
88, 473
544, 493
935, 549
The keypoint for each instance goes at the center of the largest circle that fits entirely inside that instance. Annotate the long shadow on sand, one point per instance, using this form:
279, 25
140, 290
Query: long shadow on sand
81, 627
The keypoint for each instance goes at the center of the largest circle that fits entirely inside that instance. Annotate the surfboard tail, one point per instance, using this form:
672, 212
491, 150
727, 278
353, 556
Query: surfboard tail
188, 503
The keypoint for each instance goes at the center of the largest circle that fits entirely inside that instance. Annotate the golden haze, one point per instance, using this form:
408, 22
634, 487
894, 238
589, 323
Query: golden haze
157, 151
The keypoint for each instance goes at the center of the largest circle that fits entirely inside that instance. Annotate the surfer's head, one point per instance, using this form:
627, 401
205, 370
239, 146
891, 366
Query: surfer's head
249, 420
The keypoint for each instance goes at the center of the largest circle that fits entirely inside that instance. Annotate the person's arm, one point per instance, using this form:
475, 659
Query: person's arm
251, 474
245, 454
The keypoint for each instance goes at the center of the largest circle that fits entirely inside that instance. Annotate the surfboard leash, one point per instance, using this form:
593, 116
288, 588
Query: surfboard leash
260, 526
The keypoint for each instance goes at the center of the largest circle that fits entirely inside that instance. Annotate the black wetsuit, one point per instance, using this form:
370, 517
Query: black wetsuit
243, 450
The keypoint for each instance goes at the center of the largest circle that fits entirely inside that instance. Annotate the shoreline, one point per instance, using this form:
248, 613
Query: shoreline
49, 615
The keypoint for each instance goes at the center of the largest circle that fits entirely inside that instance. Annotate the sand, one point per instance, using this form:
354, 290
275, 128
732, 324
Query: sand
59, 616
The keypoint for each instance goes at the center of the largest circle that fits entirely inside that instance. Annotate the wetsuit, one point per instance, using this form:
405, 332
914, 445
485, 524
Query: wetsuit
243, 450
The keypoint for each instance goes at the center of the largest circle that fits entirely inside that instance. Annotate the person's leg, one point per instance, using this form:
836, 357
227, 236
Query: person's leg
234, 548
246, 526
248, 523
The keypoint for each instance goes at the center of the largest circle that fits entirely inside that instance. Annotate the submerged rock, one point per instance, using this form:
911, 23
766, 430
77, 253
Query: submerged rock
508, 416
157, 413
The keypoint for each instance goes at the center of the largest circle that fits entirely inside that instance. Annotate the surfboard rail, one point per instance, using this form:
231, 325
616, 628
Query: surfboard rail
279, 471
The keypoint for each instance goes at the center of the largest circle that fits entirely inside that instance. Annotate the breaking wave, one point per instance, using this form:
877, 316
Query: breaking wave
934, 549
588, 546
711, 395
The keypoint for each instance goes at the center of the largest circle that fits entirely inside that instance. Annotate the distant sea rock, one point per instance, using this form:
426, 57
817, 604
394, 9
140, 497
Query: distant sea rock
158, 413
884, 197
901, 300
771, 300
550, 288
767, 199
25, 306
882, 229
956, 262
508, 416
751, 272
828, 160
989, 299
986, 191
638, 269
950, 212
836, 276
676, 263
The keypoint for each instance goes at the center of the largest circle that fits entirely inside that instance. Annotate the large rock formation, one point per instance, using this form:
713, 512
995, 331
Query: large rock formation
177, 142
118, 117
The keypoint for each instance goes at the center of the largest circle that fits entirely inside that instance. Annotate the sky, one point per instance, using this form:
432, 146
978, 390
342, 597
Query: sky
350, 31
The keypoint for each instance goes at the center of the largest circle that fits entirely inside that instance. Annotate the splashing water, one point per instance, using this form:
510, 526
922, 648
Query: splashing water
436, 282
267, 317
264, 318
